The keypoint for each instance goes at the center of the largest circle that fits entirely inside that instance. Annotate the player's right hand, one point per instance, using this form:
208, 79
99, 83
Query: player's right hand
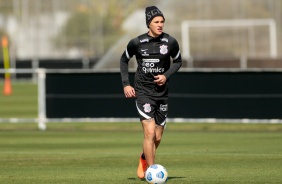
129, 92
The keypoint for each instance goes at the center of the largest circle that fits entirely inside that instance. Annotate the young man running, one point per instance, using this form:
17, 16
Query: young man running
153, 51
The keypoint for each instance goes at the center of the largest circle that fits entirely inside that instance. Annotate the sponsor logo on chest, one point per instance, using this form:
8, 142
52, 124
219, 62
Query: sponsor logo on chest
163, 50
144, 40
144, 52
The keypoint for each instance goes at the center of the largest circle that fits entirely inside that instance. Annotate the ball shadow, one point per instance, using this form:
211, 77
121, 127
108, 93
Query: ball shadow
175, 177
169, 178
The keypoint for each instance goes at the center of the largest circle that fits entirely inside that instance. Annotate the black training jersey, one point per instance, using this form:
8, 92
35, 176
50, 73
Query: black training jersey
153, 57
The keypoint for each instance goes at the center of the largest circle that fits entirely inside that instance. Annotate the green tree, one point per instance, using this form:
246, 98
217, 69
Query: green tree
89, 21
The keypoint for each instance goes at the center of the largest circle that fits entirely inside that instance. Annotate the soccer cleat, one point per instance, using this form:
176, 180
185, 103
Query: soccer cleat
142, 167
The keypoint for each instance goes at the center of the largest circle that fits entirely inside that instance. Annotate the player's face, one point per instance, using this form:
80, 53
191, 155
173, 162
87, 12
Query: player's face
156, 26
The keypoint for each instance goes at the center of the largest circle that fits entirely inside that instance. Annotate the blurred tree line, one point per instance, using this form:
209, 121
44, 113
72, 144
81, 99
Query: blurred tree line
88, 20
95, 25
108, 15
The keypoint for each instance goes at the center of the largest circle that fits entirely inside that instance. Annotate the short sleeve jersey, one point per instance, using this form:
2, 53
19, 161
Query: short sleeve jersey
153, 57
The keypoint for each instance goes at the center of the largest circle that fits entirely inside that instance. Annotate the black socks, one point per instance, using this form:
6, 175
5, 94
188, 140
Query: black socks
143, 156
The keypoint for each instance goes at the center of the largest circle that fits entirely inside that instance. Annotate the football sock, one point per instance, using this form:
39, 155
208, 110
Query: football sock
143, 156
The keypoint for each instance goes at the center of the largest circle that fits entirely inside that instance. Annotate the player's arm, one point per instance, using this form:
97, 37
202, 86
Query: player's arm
129, 91
177, 60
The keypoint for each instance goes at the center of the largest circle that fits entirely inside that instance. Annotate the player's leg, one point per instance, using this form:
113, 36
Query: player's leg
149, 146
146, 110
153, 129
160, 119
159, 134
152, 139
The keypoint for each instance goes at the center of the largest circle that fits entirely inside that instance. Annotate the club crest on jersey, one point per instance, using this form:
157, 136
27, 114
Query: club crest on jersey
163, 49
147, 107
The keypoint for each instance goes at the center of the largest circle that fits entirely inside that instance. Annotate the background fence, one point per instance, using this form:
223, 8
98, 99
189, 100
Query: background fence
207, 96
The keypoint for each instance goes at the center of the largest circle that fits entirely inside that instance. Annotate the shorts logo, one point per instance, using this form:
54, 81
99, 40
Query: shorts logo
147, 107
163, 49
163, 107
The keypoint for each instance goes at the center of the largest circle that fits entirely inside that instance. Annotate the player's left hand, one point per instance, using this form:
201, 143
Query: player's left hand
160, 80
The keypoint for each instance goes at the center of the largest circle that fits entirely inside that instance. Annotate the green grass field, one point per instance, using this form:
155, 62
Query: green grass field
108, 153
22, 103
220, 153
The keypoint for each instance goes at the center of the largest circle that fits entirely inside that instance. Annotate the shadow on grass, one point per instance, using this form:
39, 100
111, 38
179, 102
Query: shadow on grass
174, 177
135, 179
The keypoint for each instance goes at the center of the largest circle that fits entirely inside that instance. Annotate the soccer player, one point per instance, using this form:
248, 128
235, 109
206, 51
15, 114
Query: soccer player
154, 51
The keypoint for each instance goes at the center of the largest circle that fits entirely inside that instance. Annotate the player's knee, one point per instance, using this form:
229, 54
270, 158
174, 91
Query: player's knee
158, 139
150, 134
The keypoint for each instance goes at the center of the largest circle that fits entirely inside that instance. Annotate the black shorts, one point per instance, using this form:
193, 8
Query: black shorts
156, 108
